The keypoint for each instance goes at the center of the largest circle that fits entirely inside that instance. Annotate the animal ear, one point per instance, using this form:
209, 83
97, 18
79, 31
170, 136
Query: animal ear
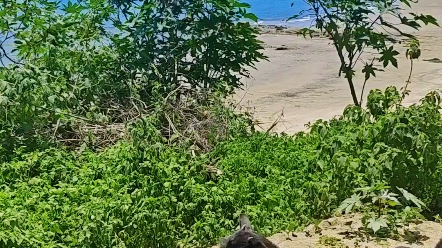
244, 223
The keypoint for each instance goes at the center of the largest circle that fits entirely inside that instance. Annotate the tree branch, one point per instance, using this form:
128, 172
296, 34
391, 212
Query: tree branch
7, 56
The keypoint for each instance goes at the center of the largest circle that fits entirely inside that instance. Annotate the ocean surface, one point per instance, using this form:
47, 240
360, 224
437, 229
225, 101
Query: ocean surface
276, 12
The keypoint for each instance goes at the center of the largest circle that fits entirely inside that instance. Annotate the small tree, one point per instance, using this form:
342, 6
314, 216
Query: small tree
203, 43
354, 25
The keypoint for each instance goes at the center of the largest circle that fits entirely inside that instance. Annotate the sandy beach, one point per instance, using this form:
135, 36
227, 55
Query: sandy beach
301, 77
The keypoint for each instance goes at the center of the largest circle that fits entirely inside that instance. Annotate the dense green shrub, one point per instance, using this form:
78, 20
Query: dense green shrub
98, 63
55, 198
146, 193
198, 42
387, 143
132, 196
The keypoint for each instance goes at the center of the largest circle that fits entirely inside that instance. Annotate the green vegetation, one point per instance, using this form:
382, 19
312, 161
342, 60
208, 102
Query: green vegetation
380, 214
91, 63
102, 146
148, 193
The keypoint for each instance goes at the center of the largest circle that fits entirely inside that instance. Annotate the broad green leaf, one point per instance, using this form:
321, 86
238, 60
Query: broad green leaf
349, 203
376, 224
426, 19
241, 5
406, 2
388, 56
321, 164
410, 197
369, 70
251, 16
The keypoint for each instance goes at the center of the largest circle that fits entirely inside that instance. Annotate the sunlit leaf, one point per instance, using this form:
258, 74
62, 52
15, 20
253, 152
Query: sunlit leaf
376, 224
410, 197
350, 203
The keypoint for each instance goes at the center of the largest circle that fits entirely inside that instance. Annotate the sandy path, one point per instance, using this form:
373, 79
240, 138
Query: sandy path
302, 80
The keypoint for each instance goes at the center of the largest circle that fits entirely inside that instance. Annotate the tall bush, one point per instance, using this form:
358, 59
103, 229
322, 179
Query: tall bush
85, 65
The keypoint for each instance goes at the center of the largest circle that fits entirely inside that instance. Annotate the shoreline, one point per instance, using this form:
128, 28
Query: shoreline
276, 29
284, 30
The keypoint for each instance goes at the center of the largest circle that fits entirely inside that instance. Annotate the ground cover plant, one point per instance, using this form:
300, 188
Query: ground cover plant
151, 194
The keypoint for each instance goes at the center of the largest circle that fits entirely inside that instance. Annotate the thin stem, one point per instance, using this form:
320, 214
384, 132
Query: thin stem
362, 92
411, 70
379, 208
338, 47
404, 92
365, 82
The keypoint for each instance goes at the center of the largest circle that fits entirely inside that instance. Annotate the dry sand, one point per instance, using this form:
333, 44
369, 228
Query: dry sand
302, 80
344, 232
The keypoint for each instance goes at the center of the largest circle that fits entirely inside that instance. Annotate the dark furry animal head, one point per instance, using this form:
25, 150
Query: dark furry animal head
245, 237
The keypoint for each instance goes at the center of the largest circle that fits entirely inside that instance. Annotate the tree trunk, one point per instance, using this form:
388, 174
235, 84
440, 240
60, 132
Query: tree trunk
353, 92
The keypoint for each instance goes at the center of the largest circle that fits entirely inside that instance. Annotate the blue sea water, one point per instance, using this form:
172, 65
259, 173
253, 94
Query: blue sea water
276, 12
272, 12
